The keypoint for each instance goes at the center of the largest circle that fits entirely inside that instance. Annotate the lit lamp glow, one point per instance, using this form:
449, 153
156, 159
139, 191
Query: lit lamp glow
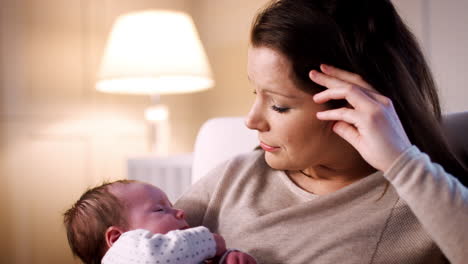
154, 52
157, 113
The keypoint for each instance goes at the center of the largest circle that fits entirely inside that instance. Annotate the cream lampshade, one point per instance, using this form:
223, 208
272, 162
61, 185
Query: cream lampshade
154, 52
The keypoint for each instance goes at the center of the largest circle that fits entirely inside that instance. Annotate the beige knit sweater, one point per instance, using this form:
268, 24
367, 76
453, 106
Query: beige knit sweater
420, 218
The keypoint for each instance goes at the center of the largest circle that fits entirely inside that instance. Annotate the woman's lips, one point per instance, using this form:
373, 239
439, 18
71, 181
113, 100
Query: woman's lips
268, 147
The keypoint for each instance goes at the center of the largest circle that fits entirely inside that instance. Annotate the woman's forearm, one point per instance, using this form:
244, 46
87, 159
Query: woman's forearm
439, 201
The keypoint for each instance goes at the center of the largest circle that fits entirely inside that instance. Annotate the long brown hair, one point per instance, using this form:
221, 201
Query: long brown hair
369, 38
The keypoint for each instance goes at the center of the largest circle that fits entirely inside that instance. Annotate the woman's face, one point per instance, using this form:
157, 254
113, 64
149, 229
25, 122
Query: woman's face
285, 116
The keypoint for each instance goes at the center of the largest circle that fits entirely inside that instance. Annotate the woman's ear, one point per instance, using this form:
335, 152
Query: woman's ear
112, 234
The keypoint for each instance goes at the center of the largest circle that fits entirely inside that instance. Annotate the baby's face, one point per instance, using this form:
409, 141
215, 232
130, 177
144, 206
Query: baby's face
148, 208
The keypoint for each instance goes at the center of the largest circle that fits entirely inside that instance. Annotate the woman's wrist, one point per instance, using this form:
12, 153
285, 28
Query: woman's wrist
399, 161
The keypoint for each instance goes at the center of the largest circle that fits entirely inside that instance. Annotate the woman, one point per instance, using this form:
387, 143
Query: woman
341, 179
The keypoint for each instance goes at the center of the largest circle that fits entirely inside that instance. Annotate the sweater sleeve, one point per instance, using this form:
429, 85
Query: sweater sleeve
192, 245
439, 201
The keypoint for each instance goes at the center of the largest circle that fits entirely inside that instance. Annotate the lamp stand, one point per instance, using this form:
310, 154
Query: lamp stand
157, 116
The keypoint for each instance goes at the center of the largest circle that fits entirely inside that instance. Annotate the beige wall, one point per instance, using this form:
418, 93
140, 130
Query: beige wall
448, 42
441, 29
58, 135
224, 28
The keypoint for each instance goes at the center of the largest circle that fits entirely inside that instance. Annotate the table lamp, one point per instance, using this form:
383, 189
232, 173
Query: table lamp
154, 52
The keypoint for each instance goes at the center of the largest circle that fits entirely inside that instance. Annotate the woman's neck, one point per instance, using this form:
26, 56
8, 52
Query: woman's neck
322, 180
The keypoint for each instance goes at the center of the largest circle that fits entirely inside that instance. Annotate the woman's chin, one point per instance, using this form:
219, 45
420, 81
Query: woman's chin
279, 162
276, 162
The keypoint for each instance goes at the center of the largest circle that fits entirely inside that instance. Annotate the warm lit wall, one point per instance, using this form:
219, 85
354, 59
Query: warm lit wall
224, 28
57, 134
441, 29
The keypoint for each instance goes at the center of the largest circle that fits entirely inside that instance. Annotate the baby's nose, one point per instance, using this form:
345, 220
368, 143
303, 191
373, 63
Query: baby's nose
180, 214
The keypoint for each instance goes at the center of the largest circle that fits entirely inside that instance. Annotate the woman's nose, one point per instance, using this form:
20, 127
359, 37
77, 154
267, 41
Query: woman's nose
255, 119
180, 214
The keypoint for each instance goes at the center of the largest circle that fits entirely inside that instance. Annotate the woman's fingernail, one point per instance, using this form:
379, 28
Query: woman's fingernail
327, 68
313, 74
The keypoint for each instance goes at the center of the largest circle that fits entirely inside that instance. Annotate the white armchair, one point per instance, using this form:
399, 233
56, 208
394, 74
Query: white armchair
220, 139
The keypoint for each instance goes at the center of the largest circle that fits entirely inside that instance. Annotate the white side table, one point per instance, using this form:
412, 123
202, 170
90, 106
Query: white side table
172, 174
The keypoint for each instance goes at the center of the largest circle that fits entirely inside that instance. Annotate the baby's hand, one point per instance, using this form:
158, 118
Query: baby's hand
220, 245
237, 257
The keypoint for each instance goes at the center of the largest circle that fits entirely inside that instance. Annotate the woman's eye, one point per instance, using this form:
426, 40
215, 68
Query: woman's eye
280, 109
159, 210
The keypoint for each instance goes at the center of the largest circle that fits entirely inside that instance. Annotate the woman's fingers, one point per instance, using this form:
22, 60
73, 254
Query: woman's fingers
346, 125
341, 114
348, 132
327, 80
353, 79
338, 89
345, 76
237, 257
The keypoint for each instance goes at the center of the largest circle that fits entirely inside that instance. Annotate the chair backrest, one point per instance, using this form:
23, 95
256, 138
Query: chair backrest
456, 129
222, 138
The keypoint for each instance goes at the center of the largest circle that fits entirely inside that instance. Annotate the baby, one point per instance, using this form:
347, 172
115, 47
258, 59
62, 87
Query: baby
133, 222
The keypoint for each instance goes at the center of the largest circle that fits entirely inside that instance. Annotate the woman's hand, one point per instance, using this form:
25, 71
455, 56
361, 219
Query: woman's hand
238, 257
370, 125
